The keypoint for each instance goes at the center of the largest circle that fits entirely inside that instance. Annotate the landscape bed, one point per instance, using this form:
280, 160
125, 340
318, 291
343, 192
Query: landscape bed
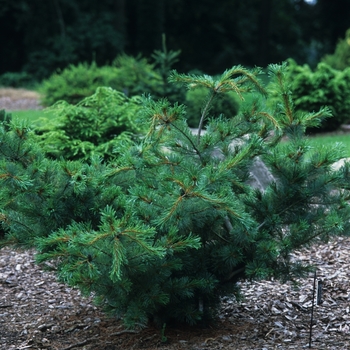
37, 312
44, 314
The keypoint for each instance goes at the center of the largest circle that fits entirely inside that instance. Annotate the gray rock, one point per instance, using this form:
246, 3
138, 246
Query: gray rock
260, 175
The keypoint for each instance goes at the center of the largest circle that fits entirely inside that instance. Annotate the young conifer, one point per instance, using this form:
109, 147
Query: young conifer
175, 221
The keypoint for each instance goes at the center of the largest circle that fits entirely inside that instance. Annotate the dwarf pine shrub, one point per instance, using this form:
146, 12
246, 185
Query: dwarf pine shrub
164, 230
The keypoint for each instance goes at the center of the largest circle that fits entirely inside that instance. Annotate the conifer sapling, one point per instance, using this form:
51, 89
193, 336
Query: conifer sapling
184, 223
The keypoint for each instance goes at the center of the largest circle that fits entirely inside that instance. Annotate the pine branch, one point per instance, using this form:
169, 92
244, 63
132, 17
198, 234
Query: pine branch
204, 114
222, 238
228, 224
189, 139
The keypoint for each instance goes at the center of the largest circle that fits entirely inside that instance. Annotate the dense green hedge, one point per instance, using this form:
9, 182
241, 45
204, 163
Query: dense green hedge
92, 127
130, 75
18, 80
324, 86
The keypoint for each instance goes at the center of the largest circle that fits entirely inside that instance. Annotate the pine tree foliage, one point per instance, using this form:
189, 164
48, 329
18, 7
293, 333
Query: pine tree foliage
167, 228
313, 89
40, 195
165, 60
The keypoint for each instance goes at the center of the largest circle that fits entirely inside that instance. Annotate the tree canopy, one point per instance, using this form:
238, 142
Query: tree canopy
49, 35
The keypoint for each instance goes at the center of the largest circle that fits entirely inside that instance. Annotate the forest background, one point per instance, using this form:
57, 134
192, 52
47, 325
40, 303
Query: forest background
39, 37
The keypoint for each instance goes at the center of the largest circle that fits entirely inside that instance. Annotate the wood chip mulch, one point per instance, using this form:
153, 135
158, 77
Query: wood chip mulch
37, 312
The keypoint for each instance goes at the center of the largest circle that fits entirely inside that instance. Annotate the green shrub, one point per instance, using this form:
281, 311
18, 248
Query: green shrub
76, 82
340, 59
132, 76
137, 77
92, 127
166, 229
324, 86
17, 80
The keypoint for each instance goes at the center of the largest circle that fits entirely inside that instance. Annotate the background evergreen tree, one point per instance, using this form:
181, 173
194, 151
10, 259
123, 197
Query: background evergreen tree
340, 59
323, 86
167, 229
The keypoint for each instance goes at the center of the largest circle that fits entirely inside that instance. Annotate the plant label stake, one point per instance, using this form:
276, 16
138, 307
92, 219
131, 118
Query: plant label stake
319, 292
318, 302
